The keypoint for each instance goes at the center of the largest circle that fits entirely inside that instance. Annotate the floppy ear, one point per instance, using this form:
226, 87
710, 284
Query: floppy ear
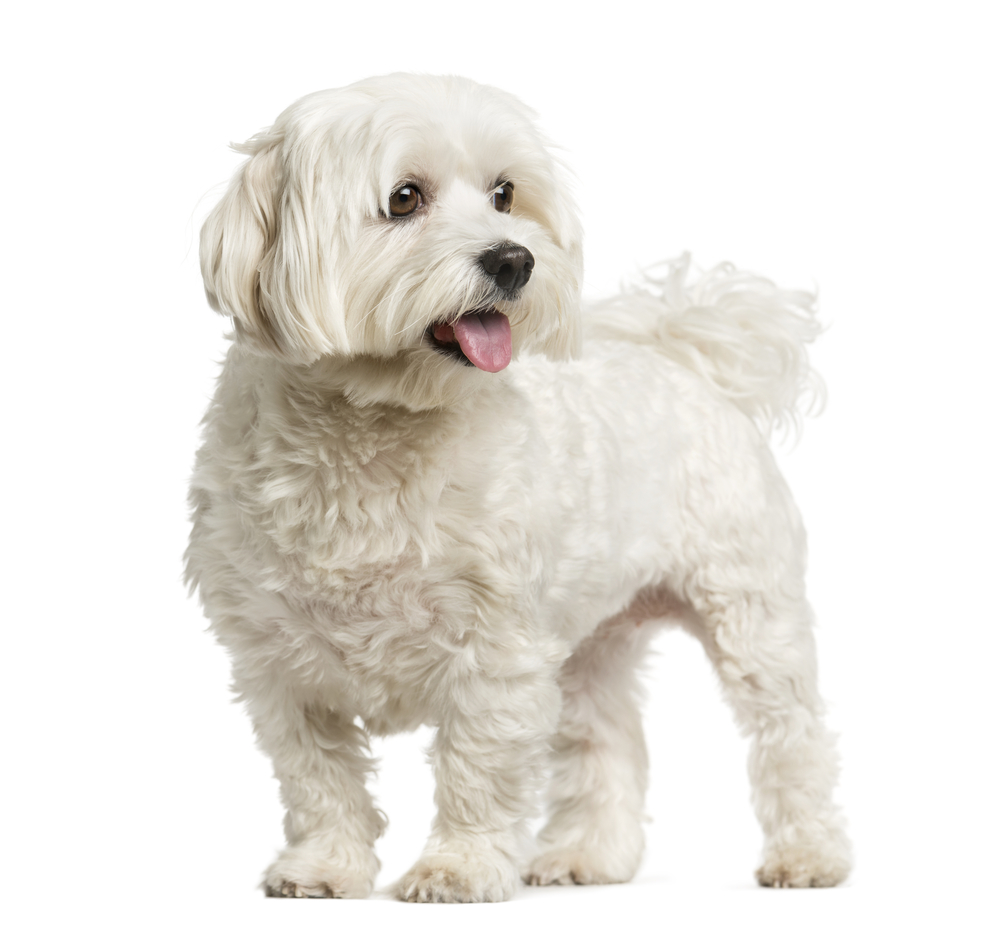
565, 341
259, 257
560, 333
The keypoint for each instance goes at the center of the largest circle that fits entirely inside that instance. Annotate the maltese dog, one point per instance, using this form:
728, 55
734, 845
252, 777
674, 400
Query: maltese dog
435, 490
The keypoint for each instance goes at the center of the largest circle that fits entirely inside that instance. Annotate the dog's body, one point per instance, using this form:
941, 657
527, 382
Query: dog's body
393, 526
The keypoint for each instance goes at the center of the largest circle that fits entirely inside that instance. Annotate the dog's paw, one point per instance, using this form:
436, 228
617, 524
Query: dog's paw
816, 862
577, 867
301, 872
449, 877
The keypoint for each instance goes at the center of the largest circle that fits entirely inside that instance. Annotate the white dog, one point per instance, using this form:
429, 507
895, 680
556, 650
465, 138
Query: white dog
393, 526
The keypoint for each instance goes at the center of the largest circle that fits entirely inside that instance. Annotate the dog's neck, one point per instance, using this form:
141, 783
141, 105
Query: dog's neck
352, 406
408, 381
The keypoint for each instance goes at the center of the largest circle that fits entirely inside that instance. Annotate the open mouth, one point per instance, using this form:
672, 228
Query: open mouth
480, 338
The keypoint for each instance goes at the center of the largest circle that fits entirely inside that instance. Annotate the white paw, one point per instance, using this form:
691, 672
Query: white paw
301, 872
577, 867
454, 877
811, 861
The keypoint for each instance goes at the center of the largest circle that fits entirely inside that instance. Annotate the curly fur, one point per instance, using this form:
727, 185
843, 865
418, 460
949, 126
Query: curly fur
737, 330
385, 536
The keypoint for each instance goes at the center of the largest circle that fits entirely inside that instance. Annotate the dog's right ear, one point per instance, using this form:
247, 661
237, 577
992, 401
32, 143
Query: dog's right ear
255, 268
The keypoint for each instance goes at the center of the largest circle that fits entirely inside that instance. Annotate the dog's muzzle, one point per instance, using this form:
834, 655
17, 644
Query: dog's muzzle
482, 337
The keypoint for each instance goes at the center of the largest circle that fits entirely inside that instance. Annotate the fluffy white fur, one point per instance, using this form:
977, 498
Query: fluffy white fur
385, 536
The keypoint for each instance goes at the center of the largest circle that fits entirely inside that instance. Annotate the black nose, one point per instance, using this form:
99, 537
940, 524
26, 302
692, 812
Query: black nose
508, 265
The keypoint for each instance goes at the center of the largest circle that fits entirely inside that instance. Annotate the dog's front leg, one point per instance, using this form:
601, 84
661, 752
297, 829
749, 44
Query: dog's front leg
488, 753
321, 760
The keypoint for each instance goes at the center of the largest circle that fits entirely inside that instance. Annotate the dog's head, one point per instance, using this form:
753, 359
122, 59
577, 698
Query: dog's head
414, 230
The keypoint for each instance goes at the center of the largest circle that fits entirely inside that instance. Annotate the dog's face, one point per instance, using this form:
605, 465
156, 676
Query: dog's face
413, 230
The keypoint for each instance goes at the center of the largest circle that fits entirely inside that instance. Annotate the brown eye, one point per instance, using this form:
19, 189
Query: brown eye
503, 197
404, 200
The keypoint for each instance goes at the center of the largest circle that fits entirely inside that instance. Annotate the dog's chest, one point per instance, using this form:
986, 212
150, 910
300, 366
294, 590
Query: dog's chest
373, 551
380, 513
398, 565
336, 506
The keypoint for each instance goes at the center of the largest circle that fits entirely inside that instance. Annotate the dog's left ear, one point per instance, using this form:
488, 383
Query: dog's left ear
560, 332
259, 257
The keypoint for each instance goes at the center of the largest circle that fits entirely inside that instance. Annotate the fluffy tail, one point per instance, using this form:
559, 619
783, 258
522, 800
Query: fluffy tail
740, 332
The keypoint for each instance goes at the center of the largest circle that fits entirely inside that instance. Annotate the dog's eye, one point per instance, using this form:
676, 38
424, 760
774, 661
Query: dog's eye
404, 200
503, 197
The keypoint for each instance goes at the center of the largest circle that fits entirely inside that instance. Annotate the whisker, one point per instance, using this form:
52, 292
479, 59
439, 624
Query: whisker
364, 319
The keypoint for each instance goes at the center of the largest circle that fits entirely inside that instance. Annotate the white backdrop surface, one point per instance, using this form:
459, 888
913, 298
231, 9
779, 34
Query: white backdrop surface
851, 147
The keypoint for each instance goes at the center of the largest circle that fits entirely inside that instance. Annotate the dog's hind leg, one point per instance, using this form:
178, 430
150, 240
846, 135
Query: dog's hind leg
763, 650
599, 764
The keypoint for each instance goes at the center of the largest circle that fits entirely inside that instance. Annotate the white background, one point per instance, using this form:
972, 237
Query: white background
851, 147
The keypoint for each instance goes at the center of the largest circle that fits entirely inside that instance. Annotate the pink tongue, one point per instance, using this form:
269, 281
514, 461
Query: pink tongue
485, 339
